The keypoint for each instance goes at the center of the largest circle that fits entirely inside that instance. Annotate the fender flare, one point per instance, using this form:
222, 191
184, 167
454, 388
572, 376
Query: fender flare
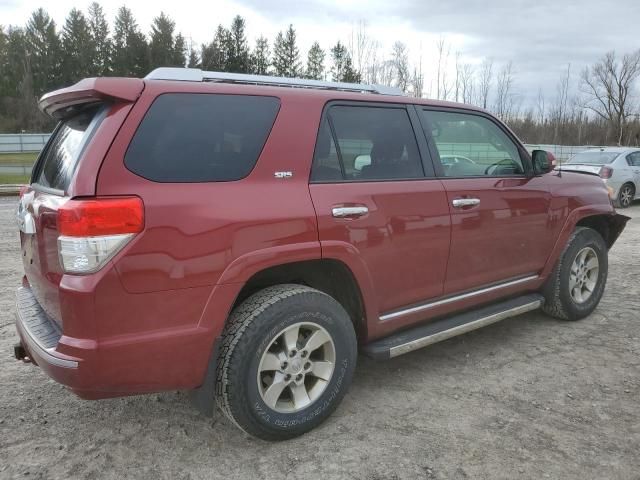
569, 226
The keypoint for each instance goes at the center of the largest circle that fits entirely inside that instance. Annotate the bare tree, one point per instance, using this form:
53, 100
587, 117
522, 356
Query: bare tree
400, 63
417, 80
458, 77
442, 85
559, 111
540, 107
484, 82
361, 48
466, 83
607, 88
504, 103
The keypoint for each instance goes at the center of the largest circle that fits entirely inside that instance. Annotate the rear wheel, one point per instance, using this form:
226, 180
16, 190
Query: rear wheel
626, 195
576, 285
287, 359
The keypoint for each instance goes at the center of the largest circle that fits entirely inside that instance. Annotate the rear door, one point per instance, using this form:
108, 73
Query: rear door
501, 230
37, 211
633, 160
374, 197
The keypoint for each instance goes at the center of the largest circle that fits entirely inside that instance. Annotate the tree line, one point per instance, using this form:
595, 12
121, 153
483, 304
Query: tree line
40, 57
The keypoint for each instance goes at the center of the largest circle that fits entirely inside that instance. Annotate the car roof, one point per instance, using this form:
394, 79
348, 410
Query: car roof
611, 150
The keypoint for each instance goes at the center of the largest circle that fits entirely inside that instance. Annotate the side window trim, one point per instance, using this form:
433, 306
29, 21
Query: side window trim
525, 158
334, 138
427, 165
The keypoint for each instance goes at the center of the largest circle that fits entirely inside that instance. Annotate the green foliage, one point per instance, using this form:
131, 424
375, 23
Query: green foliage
77, 48
101, 43
216, 54
165, 49
130, 50
260, 57
315, 62
286, 56
238, 59
342, 69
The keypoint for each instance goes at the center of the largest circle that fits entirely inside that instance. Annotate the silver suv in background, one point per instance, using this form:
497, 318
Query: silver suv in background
618, 166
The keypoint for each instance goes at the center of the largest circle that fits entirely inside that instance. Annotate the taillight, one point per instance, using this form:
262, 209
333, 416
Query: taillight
93, 230
24, 189
606, 172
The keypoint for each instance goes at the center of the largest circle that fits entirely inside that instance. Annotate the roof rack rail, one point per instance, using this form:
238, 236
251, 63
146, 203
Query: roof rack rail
197, 75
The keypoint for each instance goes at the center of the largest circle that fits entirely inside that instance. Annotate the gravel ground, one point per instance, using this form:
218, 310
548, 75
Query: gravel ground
530, 397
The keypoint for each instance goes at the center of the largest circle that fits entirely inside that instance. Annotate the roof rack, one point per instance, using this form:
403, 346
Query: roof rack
197, 75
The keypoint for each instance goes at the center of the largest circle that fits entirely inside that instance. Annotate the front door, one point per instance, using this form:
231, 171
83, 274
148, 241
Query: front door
373, 198
501, 230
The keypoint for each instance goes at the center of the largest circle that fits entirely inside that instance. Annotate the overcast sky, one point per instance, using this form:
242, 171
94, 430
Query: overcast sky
541, 36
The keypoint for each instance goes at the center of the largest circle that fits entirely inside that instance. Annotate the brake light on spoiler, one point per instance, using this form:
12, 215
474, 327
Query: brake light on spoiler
93, 230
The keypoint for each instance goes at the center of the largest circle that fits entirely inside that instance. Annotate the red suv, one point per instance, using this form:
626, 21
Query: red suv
245, 237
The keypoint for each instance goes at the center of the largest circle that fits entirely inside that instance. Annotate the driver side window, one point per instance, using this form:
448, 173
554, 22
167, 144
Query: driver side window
472, 146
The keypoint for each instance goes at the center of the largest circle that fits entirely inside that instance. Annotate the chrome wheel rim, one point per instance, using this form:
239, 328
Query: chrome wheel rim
626, 196
583, 277
296, 367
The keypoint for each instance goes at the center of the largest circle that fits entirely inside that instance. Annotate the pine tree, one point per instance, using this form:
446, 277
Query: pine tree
238, 60
193, 60
161, 45
342, 69
100, 39
15, 64
315, 62
286, 56
130, 50
179, 50
77, 51
215, 55
260, 61
43, 49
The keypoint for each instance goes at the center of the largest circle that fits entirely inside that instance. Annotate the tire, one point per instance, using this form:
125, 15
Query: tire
626, 195
253, 338
563, 302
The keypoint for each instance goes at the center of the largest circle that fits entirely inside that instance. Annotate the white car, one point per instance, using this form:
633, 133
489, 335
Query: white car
619, 167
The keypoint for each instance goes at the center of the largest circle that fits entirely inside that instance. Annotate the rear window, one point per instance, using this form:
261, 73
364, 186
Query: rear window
63, 151
191, 137
593, 158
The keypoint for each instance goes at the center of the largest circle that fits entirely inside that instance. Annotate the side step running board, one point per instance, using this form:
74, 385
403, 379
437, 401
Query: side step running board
423, 335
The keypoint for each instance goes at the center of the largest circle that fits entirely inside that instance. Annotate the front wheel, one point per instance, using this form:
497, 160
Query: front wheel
287, 359
577, 283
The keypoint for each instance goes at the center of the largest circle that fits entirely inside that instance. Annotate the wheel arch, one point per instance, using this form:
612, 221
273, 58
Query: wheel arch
602, 218
328, 275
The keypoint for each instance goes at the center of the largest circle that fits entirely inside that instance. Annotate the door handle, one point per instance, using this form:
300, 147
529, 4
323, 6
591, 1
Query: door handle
465, 202
349, 212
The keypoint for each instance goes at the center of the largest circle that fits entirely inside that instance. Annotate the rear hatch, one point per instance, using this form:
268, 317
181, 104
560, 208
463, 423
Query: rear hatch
86, 112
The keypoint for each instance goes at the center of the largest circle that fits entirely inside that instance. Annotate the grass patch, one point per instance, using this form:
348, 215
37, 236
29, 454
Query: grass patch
27, 158
8, 179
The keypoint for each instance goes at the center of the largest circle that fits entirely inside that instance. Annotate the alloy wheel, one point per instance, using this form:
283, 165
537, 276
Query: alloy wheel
583, 276
296, 368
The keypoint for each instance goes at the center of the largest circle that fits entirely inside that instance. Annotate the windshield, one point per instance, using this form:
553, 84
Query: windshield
593, 158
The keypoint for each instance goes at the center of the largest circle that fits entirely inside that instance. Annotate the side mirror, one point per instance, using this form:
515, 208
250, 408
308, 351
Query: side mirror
543, 161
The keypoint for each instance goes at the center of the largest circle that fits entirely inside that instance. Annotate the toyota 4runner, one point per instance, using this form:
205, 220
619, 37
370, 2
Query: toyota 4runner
245, 237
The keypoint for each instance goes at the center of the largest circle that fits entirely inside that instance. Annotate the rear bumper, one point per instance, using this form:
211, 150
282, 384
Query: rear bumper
40, 337
144, 362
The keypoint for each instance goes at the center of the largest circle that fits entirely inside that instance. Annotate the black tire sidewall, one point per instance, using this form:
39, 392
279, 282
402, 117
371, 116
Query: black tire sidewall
584, 238
316, 308
633, 191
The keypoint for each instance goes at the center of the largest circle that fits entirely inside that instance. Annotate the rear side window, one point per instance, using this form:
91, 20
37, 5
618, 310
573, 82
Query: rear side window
191, 137
58, 162
366, 143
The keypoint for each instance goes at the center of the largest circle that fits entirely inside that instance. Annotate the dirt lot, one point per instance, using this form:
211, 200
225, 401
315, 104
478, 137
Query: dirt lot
531, 397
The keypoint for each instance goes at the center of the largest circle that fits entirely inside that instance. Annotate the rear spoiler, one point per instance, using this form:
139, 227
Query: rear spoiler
61, 103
